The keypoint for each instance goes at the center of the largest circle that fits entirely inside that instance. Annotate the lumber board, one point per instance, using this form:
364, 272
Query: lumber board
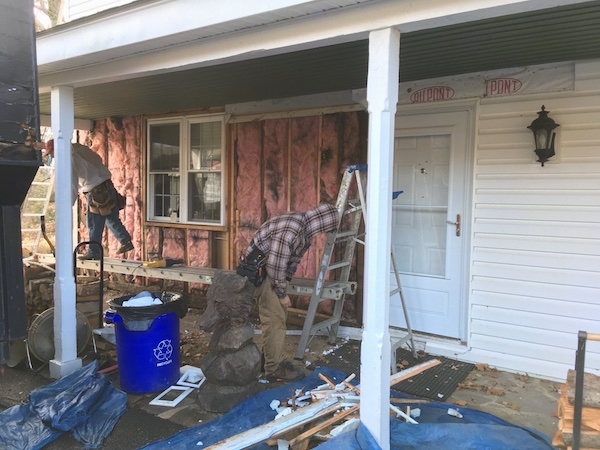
587, 427
264, 432
412, 371
567, 410
305, 437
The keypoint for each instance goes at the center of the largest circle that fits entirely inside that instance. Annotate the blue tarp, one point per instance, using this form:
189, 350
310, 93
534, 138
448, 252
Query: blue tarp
436, 429
84, 402
250, 413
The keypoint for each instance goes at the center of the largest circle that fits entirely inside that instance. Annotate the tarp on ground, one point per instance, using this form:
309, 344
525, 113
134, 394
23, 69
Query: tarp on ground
84, 402
436, 429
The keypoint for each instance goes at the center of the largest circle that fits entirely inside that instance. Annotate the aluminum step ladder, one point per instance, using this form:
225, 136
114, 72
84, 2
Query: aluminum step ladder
35, 207
342, 244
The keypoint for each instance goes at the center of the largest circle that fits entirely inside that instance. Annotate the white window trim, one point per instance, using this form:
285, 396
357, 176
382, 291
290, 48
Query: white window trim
185, 123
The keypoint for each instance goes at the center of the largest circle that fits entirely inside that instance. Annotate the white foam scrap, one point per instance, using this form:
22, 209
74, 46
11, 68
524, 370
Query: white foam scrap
263, 381
415, 412
349, 425
298, 403
454, 413
144, 298
274, 404
283, 412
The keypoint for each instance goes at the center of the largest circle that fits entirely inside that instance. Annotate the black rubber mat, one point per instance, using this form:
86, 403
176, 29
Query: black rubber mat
436, 383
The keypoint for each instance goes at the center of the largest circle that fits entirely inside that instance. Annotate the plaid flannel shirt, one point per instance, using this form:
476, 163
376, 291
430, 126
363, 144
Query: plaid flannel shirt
286, 238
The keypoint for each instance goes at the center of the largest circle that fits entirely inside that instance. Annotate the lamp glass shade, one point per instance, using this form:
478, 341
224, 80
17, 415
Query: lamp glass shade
542, 138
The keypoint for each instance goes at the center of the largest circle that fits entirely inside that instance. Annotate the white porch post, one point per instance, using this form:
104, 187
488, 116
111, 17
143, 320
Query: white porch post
382, 96
65, 330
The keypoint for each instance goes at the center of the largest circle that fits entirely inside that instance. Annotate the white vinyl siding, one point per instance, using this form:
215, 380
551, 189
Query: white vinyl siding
77, 9
535, 270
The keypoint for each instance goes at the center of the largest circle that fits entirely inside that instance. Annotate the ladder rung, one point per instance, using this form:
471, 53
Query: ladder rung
32, 215
395, 291
323, 324
345, 234
353, 210
338, 265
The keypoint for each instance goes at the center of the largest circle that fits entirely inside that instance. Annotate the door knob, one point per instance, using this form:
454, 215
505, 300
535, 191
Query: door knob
456, 224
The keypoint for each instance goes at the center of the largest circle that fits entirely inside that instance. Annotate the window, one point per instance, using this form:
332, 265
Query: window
185, 176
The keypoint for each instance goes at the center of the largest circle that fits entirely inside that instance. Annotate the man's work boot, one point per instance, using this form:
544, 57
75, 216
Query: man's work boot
127, 246
286, 372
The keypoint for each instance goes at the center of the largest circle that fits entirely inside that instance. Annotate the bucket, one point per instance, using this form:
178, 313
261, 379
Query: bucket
147, 340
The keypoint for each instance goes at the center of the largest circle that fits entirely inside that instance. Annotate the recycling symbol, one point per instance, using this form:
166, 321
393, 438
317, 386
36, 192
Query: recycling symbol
163, 350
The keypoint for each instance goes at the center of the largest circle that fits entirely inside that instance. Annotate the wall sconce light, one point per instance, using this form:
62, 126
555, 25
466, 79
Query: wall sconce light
543, 133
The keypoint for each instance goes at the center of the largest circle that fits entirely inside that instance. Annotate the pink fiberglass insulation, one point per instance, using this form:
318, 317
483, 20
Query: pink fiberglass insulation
198, 253
304, 175
198, 248
248, 192
132, 183
276, 157
330, 171
117, 164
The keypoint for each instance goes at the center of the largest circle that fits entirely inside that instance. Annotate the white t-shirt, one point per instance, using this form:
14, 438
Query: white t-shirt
88, 169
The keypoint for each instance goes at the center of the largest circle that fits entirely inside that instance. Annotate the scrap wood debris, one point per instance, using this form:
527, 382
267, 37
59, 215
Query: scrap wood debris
322, 413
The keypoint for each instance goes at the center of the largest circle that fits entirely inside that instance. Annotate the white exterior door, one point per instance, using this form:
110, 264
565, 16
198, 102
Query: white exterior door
428, 221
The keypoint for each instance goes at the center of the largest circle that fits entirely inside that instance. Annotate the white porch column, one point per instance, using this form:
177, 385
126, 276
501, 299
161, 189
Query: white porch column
382, 96
65, 330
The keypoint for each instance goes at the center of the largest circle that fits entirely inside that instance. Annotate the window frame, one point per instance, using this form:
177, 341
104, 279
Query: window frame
185, 172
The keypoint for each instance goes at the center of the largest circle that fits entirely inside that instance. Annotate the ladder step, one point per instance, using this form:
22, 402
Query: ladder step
324, 323
345, 234
338, 265
345, 207
29, 230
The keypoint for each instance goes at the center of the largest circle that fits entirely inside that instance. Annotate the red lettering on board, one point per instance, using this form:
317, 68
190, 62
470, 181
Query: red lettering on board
501, 86
432, 94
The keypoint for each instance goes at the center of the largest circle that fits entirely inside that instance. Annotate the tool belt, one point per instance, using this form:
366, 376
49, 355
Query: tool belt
101, 200
252, 266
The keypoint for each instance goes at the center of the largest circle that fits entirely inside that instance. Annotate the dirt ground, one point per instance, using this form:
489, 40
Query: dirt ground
517, 398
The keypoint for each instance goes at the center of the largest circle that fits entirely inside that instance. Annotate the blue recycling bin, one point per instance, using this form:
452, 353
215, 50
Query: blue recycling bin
147, 340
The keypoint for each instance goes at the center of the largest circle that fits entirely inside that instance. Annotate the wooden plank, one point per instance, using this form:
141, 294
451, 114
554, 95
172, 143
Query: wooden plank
305, 437
412, 371
262, 433
567, 411
587, 426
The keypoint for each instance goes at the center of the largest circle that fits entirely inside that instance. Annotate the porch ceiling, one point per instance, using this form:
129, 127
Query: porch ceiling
544, 36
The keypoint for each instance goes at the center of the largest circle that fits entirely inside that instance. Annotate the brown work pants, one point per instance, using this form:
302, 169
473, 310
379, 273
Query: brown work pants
273, 326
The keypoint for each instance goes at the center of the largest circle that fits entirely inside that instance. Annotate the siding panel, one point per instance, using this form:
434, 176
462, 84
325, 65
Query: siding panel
535, 236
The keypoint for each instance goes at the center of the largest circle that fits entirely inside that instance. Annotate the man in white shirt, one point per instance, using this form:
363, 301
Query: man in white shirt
92, 178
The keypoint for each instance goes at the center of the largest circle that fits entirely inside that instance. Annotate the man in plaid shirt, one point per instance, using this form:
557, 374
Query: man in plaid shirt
284, 240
